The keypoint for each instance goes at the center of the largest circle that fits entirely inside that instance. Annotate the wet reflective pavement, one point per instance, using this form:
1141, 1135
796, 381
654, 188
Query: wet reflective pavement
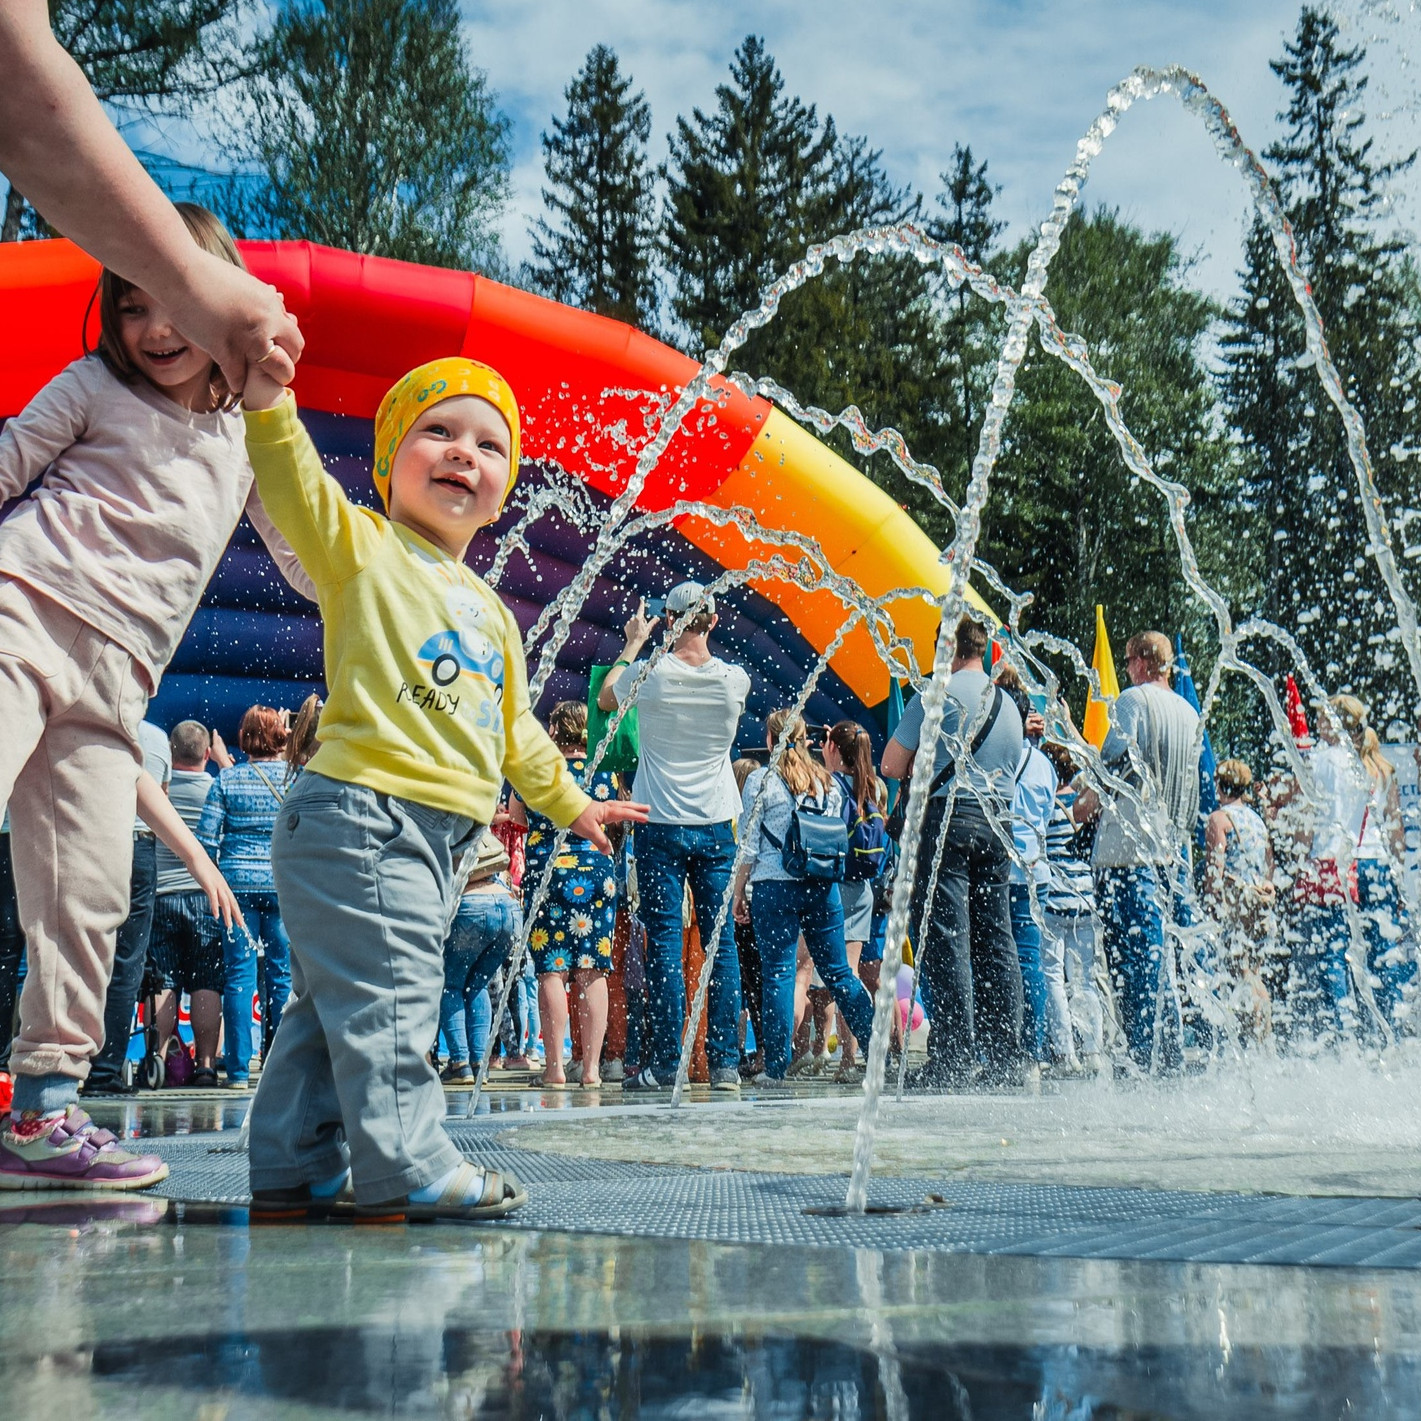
140, 1313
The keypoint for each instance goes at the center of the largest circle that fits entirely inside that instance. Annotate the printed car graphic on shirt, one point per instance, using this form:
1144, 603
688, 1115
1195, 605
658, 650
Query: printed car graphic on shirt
465, 649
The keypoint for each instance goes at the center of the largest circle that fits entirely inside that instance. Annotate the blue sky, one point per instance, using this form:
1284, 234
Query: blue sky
1019, 80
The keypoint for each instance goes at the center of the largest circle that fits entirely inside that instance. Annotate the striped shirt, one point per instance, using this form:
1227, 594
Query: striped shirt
1070, 890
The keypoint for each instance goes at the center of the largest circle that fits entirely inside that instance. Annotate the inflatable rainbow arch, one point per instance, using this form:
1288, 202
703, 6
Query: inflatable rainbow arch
587, 386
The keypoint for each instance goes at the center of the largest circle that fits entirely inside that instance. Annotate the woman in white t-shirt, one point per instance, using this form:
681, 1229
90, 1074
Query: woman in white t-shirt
782, 907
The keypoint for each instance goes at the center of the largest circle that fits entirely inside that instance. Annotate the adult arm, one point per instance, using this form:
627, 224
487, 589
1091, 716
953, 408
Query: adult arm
157, 812
898, 754
1126, 712
213, 820
741, 902
638, 630
897, 762
58, 148
1395, 827
1215, 839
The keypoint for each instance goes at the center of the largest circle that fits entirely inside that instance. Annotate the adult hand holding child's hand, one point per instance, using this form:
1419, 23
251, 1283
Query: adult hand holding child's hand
588, 824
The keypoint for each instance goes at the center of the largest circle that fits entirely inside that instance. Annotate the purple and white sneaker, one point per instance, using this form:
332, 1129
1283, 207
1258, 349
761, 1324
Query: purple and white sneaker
71, 1152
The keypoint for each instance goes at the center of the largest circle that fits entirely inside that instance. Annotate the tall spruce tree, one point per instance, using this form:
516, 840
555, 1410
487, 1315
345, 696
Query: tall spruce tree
1321, 582
746, 185
750, 187
967, 222
598, 252
369, 129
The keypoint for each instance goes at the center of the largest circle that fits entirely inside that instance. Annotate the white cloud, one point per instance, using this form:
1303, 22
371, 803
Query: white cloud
1019, 80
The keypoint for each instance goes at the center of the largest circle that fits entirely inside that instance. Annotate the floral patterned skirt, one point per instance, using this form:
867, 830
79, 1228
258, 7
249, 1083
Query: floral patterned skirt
573, 929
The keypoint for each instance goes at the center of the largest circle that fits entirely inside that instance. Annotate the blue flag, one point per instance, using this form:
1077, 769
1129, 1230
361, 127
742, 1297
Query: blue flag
892, 714
1184, 685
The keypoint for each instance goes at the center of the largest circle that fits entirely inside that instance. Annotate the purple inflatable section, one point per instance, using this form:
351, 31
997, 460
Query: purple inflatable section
253, 639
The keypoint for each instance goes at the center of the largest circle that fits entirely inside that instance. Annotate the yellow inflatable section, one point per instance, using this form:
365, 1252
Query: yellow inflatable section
794, 482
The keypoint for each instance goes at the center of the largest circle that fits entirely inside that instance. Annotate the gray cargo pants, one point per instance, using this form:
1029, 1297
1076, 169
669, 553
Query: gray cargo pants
365, 882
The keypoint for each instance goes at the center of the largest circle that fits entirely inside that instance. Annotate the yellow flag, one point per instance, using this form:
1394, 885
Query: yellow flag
1097, 713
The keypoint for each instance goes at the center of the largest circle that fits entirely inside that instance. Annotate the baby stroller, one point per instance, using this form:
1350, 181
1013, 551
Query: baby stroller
151, 1072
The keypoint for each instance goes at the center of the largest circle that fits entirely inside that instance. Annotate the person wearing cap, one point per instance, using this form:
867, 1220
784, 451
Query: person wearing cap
688, 708
427, 714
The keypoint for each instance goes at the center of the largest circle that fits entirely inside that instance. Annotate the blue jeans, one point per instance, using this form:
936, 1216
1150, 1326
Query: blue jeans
1319, 994
1133, 912
1391, 957
780, 910
667, 856
130, 956
970, 973
1033, 977
479, 942
239, 965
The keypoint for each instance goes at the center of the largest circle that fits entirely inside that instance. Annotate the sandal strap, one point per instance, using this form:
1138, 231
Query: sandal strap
467, 1178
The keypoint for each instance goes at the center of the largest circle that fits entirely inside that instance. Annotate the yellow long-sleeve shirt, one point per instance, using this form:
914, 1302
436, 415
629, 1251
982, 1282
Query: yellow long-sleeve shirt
428, 690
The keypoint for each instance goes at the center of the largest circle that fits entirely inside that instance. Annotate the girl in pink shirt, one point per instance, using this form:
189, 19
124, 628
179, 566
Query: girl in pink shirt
142, 475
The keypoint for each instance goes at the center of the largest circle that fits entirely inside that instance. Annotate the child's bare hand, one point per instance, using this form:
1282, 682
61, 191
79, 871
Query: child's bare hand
588, 824
263, 391
220, 897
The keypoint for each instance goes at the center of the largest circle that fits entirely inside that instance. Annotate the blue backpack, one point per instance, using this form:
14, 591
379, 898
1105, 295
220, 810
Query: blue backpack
868, 836
816, 844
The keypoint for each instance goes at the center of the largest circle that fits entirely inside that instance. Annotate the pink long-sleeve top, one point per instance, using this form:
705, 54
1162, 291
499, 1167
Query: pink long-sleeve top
136, 501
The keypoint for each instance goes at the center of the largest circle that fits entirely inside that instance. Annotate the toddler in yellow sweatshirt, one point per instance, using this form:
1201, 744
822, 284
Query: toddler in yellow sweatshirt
427, 714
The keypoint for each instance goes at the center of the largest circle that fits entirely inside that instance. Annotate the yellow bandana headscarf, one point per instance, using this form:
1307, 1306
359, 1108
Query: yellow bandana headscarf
423, 388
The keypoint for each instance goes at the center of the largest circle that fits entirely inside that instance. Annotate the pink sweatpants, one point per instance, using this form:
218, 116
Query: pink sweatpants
70, 703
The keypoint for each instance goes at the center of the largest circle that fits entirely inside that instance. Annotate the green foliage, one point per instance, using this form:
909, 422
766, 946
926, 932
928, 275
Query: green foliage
970, 332
369, 129
600, 253
745, 195
155, 56
1066, 520
1318, 580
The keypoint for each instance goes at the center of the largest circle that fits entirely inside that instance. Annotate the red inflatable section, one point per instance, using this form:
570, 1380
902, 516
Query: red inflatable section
367, 320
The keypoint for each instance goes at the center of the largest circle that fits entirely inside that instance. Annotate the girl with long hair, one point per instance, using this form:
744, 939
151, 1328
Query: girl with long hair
782, 907
848, 756
572, 932
134, 474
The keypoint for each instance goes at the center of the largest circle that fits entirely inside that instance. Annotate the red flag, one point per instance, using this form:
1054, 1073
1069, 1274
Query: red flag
1297, 720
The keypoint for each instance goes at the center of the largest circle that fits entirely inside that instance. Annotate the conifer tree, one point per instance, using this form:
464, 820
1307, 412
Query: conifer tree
967, 222
1321, 583
745, 193
598, 252
1065, 519
369, 129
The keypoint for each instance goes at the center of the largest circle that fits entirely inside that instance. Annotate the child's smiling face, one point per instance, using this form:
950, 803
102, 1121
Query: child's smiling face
155, 349
451, 472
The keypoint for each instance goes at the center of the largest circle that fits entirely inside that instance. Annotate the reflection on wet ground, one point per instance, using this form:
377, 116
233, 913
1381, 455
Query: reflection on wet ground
142, 1311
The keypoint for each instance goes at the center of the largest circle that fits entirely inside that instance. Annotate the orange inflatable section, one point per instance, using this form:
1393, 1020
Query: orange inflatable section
590, 388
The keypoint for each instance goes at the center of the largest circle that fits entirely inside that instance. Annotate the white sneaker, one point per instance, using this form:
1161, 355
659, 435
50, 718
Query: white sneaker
764, 1082
612, 1070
